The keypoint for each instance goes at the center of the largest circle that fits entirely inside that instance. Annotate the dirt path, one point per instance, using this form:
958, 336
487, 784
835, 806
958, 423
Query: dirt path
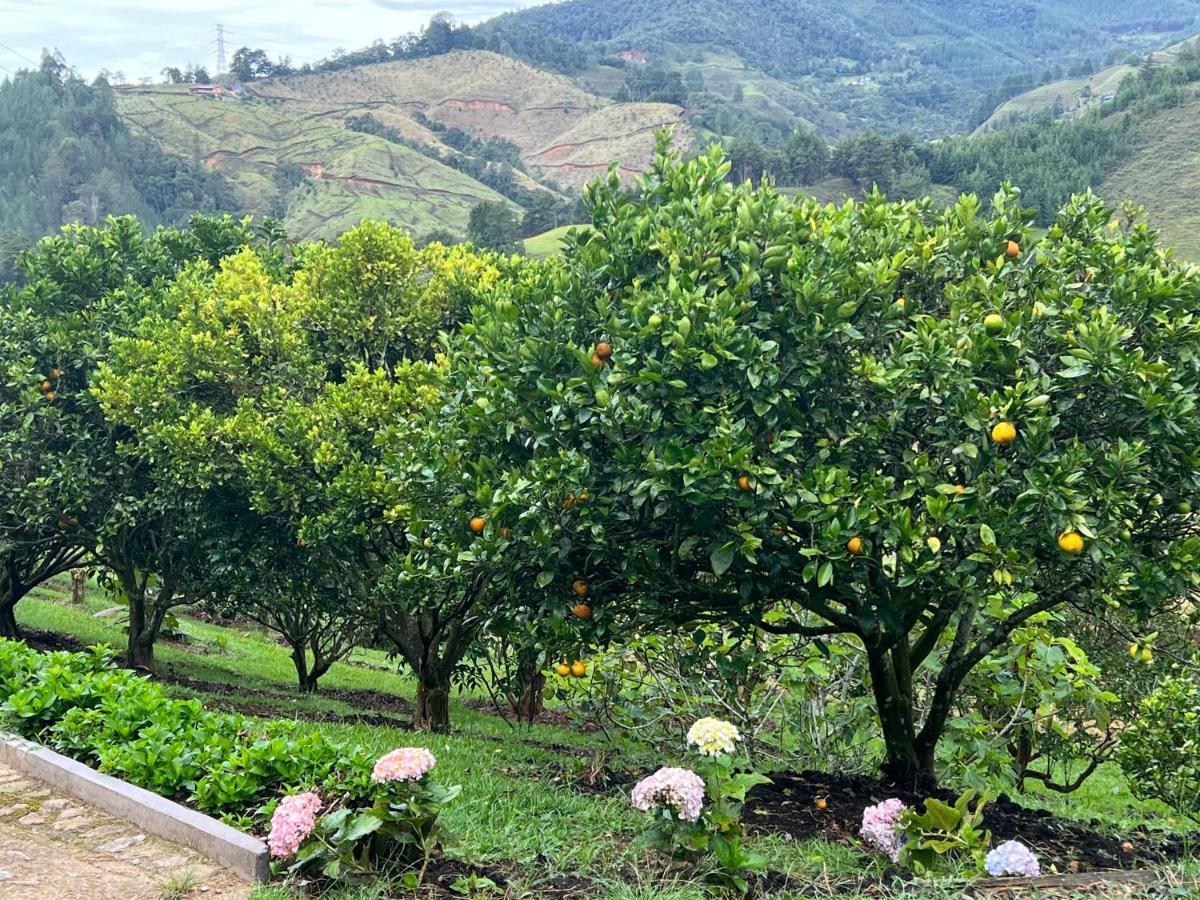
53, 847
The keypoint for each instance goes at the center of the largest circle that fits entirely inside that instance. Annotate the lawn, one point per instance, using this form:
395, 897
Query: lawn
518, 814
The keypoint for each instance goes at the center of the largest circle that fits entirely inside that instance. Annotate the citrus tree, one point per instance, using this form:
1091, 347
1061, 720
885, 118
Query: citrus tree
913, 427
69, 492
280, 399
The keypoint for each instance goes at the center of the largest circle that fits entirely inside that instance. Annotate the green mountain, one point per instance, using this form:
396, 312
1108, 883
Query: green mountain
919, 65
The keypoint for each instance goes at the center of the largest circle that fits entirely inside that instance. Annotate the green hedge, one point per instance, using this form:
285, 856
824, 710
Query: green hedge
124, 724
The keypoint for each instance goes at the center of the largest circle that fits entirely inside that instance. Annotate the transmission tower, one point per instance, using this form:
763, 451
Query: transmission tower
220, 48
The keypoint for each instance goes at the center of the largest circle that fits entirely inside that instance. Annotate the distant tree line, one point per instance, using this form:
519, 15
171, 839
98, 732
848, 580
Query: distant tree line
66, 156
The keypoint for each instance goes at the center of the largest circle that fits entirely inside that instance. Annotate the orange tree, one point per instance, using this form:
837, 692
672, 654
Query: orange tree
281, 399
67, 492
916, 428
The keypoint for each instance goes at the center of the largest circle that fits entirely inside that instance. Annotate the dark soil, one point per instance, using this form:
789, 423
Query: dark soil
48, 640
789, 806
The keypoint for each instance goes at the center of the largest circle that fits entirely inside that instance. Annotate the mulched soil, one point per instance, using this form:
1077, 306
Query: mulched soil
788, 806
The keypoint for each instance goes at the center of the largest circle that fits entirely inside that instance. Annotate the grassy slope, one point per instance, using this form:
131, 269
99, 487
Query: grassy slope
1164, 175
511, 808
350, 175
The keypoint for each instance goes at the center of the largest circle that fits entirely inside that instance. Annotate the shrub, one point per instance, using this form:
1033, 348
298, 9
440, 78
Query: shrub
126, 725
1160, 748
698, 812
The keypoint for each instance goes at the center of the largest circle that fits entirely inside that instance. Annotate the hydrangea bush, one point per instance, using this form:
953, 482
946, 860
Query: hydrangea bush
917, 840
698, 812
399, 830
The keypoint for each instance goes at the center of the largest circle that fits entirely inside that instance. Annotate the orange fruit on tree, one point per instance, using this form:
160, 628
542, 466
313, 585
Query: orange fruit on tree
45, 385
581, 611
1012, 250
478, 524
51, 395
1070, 542
580, 587
56, 373
1004, 433
578, 669
855, 545
604, 350
563, 669
821, 803
958, 489
901, 303
597, 361
743, 482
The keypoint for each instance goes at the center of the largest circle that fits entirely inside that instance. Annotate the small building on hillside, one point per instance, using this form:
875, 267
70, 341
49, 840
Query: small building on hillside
632, 56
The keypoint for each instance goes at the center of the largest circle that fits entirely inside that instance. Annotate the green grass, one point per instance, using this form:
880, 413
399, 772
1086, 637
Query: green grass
548, 243
514, 811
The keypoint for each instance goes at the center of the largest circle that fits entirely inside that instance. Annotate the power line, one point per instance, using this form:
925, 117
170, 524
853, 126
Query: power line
18, 53
220, 48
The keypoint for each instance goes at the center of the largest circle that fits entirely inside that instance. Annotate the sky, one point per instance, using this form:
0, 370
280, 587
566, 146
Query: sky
139, 37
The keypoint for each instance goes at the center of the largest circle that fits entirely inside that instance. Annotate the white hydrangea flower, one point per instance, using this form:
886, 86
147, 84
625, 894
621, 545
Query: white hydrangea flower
712, 737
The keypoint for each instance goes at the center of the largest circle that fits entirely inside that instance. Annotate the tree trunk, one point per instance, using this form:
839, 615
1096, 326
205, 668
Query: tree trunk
78, 586
8, 619
532, 700
432, 712
145, 619
907, 764
8, 604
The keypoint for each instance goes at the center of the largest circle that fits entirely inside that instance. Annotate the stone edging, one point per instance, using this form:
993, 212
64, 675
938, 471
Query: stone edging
235, 850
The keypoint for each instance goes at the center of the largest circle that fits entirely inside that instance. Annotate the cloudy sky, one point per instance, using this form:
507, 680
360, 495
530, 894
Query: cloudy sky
140, 37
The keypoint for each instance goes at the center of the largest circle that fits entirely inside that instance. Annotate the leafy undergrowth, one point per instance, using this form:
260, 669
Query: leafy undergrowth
520, 821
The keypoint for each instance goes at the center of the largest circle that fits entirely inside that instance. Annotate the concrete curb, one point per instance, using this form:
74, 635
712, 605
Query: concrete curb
241, 854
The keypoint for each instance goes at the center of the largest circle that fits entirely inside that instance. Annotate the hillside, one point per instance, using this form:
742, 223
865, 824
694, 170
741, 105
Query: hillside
1163, 174
919, 65
1075, 96
337, 177
564, 132
418, 142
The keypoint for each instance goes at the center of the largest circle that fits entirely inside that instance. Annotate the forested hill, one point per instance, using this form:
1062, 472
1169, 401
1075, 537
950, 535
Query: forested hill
66, 155
919, 65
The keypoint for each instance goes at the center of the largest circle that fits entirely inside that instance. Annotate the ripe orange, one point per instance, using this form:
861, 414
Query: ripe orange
1004, 433
581, 611
578, 669
580, 587
597, 361
604, 350
563, 669
45, 385
56, 373
855, 545
478, 524
743, 482
821, 804
51, 395
1013, 250
1070, 542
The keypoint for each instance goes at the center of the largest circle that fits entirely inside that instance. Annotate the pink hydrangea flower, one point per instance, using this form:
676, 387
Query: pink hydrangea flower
881, 827
403, 764
1012, 858
292, 822
680, 789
